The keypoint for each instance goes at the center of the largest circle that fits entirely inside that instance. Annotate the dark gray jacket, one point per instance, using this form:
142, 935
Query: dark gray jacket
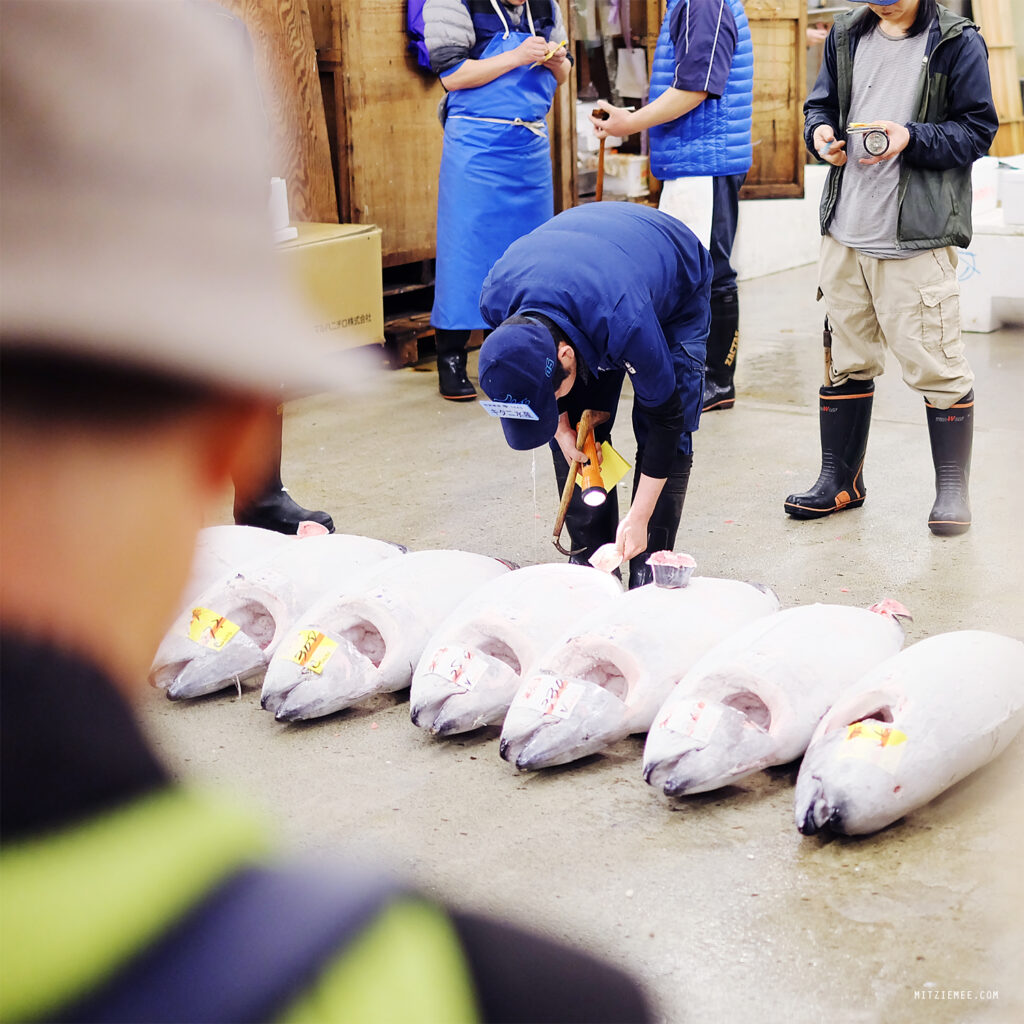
955, 124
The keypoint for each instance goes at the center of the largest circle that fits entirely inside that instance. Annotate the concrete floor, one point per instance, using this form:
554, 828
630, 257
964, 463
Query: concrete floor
723, 909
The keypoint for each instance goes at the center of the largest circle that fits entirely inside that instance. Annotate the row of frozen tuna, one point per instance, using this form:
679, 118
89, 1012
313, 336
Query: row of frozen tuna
724, 683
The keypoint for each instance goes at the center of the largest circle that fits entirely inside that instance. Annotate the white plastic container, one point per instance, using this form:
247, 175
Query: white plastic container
985, 184
1011, 194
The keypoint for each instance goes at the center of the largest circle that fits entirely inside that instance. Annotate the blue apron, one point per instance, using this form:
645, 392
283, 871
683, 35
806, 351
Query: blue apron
495, 182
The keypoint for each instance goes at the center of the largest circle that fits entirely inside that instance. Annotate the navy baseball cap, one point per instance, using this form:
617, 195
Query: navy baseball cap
875, 3
516, 367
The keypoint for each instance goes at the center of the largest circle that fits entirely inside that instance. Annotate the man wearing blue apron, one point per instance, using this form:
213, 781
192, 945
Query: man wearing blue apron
501, 62
598, 292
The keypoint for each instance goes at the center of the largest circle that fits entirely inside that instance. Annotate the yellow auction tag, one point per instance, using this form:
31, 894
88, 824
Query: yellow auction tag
312, 649
210, 629
874, 741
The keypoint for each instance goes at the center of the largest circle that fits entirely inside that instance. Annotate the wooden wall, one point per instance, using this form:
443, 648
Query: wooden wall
996, 21
778, 31
286, 65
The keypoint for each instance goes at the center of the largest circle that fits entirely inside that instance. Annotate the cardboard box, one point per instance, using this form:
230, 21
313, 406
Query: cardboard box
337, 267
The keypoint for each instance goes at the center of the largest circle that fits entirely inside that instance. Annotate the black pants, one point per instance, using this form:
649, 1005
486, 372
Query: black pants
725, 211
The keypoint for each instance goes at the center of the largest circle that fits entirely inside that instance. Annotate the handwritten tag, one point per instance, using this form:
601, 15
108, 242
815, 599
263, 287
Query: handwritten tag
877, 742
210, 629
509, 410
695, 721
458, 665
550, 695
312, 650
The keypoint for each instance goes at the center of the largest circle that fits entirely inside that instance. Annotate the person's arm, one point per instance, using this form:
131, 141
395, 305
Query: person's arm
672, 103
450, 37
473, 73
971, 122
821, 109
652, 374
704, 41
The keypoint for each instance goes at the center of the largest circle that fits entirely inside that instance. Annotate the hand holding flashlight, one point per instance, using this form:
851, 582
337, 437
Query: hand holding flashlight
897, 136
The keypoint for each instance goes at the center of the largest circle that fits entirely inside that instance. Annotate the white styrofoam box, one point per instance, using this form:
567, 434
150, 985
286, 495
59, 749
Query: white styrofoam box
779, 234
985, 184
991, 284
1011, 195
586, 137
625, 174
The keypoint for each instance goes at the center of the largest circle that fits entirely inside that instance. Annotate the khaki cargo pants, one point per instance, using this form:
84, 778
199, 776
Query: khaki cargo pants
911, 307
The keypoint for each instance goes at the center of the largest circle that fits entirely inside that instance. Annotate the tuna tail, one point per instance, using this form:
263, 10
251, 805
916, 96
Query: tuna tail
893, 609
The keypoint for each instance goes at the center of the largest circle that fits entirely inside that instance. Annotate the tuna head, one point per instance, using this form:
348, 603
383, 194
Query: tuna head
209, 648
555, 719
457, 688
318, 671
700, 745
850, 779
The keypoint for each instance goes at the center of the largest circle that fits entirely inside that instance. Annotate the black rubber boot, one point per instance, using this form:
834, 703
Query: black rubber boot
452, 381
588, 527
664, 522
844, 419
720, 363
273, 508
951, 432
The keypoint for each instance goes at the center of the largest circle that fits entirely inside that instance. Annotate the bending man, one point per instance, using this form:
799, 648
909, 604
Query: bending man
597, 293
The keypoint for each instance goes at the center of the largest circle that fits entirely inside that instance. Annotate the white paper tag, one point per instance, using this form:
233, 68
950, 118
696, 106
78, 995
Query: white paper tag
458, 665
694, 721
550, 695
509, 410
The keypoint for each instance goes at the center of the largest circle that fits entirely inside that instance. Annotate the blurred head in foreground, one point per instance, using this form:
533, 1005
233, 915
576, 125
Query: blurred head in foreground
146, 336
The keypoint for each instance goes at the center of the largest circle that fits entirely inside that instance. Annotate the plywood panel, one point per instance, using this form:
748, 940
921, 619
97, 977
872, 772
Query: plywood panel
778, 31
392, 145
996, 21
286, 64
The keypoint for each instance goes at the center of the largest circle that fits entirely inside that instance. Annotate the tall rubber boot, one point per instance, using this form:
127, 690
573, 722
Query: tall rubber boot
664, 522
720, 363
273, 507
844, 419
452, 381
588, 527
951, 432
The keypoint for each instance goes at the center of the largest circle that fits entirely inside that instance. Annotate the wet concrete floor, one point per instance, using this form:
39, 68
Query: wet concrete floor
723, 909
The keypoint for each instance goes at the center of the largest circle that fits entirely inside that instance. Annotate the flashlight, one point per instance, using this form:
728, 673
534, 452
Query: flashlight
876, 140
591, 482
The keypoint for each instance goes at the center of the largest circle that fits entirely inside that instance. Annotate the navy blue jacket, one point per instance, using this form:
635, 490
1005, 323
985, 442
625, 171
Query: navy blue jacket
628, 285
955, 124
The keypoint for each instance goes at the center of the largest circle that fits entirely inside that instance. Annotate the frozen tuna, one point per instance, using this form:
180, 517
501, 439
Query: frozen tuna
222, 549
367, 639
754, 699
229, 633
607, 678
909, 729
473, 664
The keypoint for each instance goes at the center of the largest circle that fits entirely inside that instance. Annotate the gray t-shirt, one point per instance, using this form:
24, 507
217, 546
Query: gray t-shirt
886, 77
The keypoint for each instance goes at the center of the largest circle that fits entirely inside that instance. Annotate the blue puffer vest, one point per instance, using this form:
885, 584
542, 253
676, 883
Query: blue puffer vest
714, 138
